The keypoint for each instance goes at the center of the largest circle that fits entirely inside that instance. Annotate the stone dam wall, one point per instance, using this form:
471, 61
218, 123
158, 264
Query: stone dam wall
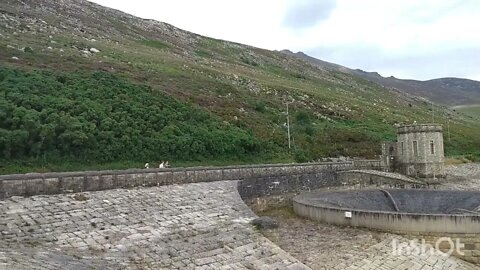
270, 190
258, 180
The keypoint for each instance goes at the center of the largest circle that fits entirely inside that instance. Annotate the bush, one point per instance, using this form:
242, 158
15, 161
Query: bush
473, 157
28, 50
300, 156
98, 117
260, 107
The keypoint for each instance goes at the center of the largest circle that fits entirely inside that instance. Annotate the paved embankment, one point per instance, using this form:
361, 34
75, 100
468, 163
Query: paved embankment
192, 226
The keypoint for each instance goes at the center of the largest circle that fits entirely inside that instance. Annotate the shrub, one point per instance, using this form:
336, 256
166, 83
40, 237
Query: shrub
100, 117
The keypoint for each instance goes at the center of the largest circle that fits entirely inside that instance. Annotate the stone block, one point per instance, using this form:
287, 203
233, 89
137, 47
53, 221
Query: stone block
71, 184
14, 187
108, 181
200, 176
51, 185
254, 172
121, 181
34, 187
2, 191
296, 169
92, 183
232, 174
214, 175
150, 179
165, 178
267, 171
249, 173
191, 176
261, 171
135, 179
179, 177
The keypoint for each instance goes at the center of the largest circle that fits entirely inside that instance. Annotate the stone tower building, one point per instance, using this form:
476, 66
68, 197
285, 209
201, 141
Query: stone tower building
418, 151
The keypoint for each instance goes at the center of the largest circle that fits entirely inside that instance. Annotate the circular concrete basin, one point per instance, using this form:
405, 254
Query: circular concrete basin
398, 210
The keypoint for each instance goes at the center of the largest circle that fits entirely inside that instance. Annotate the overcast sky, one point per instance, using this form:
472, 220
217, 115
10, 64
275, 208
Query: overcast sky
417, 39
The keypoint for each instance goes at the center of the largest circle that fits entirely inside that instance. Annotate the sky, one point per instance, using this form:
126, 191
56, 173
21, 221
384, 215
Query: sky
408, 39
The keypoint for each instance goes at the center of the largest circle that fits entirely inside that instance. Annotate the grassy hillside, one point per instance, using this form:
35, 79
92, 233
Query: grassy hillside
149, 91
472, 111
96, 117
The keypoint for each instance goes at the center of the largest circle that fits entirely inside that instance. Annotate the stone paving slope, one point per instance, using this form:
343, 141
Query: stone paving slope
193, 226
382, 256
325, 247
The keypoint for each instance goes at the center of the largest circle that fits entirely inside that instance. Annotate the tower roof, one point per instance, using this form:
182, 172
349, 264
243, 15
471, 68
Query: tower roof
416, 128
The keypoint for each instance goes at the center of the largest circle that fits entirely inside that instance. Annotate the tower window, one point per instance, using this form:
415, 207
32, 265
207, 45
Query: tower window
415, 148
432, 147
402, 145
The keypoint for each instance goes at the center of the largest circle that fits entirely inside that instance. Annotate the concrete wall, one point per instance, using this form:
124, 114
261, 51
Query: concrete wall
389, 221
430, 228
54, 183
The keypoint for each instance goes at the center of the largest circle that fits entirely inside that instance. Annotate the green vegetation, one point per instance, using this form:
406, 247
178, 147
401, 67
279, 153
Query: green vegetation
202, 53
154, 44
59, 121
94, 118
470, 110
155, 93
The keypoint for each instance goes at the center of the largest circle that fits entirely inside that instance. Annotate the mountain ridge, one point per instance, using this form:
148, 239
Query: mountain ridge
449, 91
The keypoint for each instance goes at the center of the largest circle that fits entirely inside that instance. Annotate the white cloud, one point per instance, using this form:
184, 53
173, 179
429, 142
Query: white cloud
375, 35
307, 13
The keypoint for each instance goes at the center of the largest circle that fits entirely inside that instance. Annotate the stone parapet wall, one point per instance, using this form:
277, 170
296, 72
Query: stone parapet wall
56, 183
368, 165
419, 128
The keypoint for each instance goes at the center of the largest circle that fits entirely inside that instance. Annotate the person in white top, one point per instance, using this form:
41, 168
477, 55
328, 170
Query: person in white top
162, 165
147, 165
